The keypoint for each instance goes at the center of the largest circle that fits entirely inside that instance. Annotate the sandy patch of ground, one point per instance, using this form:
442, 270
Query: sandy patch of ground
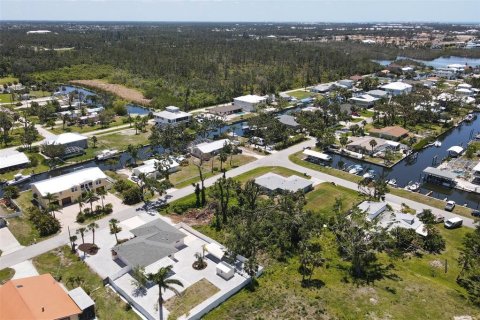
117, 89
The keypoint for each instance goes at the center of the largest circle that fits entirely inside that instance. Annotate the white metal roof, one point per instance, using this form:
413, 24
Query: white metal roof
14, 159
464, 90
364, 98
149, 166
477, 167
224, 268
251, 98
69, 180
372, 209
65, 138
81, 298
172, 114
319, 155
215, 250
456, 149
464, 85
208, 147
397, 86
273, 181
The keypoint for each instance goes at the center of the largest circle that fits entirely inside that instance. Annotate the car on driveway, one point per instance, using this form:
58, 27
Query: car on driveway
453, 223
450, 205
476, 213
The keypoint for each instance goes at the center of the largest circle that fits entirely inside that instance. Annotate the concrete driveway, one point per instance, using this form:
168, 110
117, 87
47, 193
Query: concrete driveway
8, 243
24, 269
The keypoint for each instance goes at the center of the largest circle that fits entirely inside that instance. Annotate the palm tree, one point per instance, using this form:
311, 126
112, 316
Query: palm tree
94, 141
164, 283
81, 200
81, 231
373, 144
90, 197
65, 119
114, 228
53, 207
101, 192
133, 151
50, 197
92, 226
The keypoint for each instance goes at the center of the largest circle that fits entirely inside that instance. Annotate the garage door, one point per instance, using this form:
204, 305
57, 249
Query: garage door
66, 201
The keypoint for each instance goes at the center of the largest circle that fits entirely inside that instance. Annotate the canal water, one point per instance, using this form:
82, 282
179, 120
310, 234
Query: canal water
412, 170
438, 62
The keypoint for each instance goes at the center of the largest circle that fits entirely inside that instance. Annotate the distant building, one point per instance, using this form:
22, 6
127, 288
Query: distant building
362, 145
395, 133
12, 161
69, 139
397, 88
68, 187
372, 209
289, 121
363, 100
378, 93
149, 168
171, 116
345, 83
226, 110
250, 103
274, 183
322, 88
43, 298
207, 150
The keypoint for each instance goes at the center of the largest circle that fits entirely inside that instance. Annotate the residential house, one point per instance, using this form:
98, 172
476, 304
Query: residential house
372, 209
250, 103
171, 116
397, 88
363, 145
13, 160
42, 297
322, 88
226, 110
463, 92
476, 172
345, 84
274, 183
364, 100
379, 94
68, 187
206, 150
394, 133
69, 139
149, 167
289, 121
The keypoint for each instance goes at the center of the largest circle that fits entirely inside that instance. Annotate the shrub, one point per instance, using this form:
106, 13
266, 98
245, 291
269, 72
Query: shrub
108, 208
182, 206
87, 212
132, 195
33, 161
121, 185
80, 218
98, 209
44, 223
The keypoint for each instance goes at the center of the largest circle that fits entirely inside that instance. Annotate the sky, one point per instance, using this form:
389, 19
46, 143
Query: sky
244, 10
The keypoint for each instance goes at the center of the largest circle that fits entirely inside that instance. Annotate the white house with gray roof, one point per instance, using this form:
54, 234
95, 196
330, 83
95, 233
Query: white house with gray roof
171, 116
273, 183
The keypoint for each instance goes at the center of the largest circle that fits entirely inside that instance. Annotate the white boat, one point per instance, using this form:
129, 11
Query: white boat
437, 144
356, 169
370, 174
469, 117
413, 186
106, 154
392, 182
18, 178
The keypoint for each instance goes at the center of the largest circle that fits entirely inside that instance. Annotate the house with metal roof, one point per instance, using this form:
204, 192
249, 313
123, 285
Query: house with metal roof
206, 150
13, 160
289, 121
68, 187
363, 100
69, 139
250, 102
274, 183
438, 176
171, 116
150, 167
397, 88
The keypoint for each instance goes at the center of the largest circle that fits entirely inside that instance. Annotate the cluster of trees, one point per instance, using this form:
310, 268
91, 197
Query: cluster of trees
89, 197
45, 223
469, 262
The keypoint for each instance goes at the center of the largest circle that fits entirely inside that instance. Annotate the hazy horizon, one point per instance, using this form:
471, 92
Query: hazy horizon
254, 11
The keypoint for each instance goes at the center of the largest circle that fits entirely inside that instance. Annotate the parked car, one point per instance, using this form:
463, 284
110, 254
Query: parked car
453, 223
438, 217
450, 205
476, 213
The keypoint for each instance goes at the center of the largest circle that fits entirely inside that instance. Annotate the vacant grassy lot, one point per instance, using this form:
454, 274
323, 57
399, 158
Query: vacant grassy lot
323, 198
5, 98
416, 288
118, 121
65, 267
189, 174
24, 231
120, 140
191, 297
15, 137
301, 94
123, 92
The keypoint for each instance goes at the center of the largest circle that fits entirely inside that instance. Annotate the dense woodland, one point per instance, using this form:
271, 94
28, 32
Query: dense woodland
189, 65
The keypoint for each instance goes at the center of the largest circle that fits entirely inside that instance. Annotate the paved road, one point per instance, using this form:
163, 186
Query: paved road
277, 159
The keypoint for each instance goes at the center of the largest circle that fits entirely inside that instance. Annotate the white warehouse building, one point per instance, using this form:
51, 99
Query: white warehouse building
250, 102
397, 88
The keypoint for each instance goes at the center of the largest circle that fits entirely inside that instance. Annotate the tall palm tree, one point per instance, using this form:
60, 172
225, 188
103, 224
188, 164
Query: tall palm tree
90, 197
81, 201
50, 197
114, 228
92, 226
53, 207
101, 192
164, 283
133, 151
81, 231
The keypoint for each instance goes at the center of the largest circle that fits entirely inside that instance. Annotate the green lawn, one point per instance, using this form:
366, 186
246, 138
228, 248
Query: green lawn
189, 174
15, 137
323, 198
24, 231
191, 297
417, 288
5, 98
5, 80
366, 113
297, 158
6, 274
63, 266
120, 140
301, 94
118, 121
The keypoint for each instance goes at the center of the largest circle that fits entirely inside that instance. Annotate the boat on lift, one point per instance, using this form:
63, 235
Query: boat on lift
106, 154
437, 144
18, 178
413, 186
469, 117
370, 174
392, 182
356, 169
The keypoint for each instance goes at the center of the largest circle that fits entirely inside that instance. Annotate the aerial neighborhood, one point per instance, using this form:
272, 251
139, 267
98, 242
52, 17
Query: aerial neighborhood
215, 182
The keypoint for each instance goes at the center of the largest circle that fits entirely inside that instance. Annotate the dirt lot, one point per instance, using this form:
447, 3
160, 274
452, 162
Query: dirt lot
123, 92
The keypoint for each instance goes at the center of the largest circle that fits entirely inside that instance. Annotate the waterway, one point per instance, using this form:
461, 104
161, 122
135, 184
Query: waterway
440, 62
412, 170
